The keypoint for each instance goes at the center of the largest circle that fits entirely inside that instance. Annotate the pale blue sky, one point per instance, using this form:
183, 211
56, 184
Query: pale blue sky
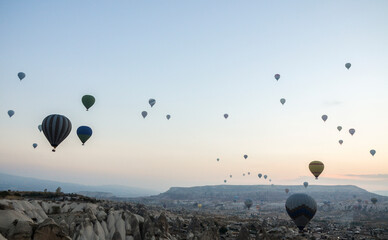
199, 60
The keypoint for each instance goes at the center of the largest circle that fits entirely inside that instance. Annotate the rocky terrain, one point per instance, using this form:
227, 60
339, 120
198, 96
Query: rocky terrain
49, 216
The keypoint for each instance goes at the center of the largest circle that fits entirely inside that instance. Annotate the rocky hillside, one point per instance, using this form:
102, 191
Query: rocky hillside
267, 193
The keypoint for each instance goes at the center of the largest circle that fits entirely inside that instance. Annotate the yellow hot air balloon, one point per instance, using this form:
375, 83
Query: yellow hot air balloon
316, 168
199, 205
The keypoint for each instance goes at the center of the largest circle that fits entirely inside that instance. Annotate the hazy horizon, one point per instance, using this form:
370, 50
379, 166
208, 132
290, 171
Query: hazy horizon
199, 60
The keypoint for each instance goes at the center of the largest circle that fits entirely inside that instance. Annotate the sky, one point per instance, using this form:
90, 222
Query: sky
199, 60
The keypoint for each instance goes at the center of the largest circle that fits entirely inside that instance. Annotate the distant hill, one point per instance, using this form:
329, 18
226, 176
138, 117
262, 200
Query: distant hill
16, 183
267, 193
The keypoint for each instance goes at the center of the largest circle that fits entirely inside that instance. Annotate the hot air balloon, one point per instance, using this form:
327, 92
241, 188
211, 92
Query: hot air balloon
230, 176
244, 174
287, 190
88, 101
248, 203
199, 205
305, 184
218, 159
40, 128
152, 102
301, 208
259, 175
34, 145
352, 131
224, 181
339, 128
168, 117
84, 133
277, 76
373, 200
245, 156
56, 128
324, 118
348, 65
11, 113
341, 141
144, 114
249, 173
316, 168
373, 152
270, 180
282, 101
226, 115
265, 176
21, 75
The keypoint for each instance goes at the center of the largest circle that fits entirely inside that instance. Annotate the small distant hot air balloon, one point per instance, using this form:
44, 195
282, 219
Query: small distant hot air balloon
352, 131
84, 133
218, 159
21, 75
56, 128
248, 203
270, 180
339, 128
152, 102
88, 101
286, 190
230, 176
341, 141
324, 118
316, 168
348, 65
259, 175
199, 205
224, 181
373, 152
277, 76
301, 208
265, 176
305, 184
226, 115
245, 156
168, 117
11, 113
34, 145
144, 114
40, 128
249, 173
282, 101
373, 200
244, 174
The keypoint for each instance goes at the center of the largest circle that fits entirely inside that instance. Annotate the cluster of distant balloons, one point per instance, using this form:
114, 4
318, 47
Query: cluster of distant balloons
152, 103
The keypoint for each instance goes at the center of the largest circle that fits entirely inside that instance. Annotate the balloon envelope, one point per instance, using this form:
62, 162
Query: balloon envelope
287, 190
282, 101
277, 76
168, 117
373, 152
245, 156
218, 159
21, 75
224, 181
324, 118
11, 113
248, 203
144, 114
301, 208
348, 65
316, 168
265, 176
152, 102
259, 175
88, 101
34, 145
339, 128
373, 200
226, 115
56, 128
40, 128
341, 141
305, 184
352, 131
84, 133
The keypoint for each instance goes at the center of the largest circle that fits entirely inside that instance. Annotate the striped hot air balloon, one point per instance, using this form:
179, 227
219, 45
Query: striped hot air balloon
301, 208
316, 168
56, 128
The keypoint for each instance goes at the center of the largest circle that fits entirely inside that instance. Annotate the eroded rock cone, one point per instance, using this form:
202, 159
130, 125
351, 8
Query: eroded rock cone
116, 236
20, 230
49, 230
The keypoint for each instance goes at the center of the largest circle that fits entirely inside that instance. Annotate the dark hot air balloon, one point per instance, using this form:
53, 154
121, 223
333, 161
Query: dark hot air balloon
301, 208
84, 133
88, 101
56, 128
